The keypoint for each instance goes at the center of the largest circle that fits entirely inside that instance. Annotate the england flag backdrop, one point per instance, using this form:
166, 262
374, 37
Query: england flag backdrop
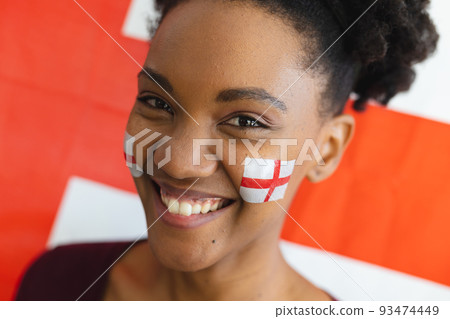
66, 89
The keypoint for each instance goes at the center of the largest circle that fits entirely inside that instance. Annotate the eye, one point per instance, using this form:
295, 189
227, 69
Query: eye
155, 103
244, 122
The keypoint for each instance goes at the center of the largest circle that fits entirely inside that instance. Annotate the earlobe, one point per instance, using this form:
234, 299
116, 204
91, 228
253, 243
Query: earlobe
333, 140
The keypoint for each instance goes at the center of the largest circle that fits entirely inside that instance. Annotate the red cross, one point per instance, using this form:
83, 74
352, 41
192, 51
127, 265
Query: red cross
266, 183
129, 158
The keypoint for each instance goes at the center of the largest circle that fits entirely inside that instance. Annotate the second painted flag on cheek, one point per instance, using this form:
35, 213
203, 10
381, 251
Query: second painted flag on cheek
130, 159
265, 180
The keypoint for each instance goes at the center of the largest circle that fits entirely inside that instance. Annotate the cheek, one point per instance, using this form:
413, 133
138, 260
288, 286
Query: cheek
135, 123
262, 174
140, 135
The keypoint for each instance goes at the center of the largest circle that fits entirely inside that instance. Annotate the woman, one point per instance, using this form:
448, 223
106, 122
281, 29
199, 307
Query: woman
238, 72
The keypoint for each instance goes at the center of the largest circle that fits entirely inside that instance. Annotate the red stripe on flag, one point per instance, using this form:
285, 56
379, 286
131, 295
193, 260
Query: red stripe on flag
129, 158
266, 183
276, 176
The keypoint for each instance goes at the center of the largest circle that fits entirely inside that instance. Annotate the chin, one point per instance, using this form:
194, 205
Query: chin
184, 257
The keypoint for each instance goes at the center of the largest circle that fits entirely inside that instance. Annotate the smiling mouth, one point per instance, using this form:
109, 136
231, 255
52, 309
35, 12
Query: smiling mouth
187, 204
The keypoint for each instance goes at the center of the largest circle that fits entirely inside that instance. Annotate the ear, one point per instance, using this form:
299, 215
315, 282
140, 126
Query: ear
333, 139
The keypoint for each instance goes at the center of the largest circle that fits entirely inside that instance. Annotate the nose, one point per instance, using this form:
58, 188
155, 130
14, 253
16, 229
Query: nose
190, 154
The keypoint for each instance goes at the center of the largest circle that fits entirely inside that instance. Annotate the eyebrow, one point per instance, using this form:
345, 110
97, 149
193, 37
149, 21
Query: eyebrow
251, 93
228, 95
156, 77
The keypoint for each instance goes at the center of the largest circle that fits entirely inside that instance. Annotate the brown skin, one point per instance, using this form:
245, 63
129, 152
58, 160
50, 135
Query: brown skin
202, 48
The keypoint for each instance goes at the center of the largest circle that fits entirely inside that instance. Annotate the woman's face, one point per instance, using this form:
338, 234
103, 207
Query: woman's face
211, 56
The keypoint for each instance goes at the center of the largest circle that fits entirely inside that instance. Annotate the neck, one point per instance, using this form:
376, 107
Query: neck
256, 272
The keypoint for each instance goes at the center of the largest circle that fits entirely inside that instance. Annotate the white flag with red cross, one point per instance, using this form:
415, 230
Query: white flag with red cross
128, 153
265, 180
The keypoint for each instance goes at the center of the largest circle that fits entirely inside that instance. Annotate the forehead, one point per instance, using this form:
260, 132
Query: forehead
218, 44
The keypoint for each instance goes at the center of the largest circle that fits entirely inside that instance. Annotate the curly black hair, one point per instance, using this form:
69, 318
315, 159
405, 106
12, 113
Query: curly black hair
374, 58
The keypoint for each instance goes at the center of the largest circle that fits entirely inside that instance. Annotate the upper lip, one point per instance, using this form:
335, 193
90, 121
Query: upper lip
190, 193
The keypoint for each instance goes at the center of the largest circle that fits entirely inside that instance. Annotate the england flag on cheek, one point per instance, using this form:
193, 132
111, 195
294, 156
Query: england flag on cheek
265, 180
130, 159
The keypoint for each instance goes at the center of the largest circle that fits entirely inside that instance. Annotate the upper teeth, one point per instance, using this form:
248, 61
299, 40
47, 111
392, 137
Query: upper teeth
185, 208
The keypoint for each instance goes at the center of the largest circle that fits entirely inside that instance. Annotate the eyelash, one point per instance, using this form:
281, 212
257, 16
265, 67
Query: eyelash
166, 107
249, 119
145, 99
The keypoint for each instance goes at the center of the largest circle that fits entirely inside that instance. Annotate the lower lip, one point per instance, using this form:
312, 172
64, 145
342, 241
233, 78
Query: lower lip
180, 221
